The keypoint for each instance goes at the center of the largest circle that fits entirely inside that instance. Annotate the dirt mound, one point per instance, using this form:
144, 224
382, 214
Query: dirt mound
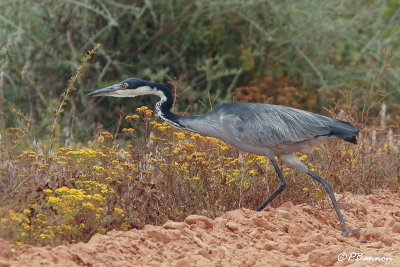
290, 235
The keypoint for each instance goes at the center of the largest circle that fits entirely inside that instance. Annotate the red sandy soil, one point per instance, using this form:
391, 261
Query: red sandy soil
290, 235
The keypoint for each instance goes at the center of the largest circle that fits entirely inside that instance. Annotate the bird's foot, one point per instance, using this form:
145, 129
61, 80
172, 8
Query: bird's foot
346, 231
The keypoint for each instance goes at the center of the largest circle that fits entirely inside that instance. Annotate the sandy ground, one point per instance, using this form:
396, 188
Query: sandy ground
290, 235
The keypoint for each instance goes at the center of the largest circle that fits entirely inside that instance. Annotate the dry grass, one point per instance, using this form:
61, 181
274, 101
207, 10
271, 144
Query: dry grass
166, 174
66, 195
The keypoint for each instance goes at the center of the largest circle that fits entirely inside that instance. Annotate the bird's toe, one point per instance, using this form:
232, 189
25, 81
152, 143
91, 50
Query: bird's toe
346, 231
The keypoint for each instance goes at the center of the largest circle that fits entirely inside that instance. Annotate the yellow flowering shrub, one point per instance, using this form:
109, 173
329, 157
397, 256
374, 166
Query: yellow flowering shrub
152, 173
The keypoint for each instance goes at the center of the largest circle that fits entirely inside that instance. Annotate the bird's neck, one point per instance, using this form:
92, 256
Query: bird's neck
166, 99
207, 124
163, 107
186, 123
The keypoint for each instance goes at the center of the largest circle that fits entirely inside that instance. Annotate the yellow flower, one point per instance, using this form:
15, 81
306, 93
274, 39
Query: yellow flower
31, 154
286, 171
386, 146
145, 110
69, 191
245, 185
303, 157
107, 134
142, 109
97, 197
104, 189
194, 136
99, 168
224, 147
250, 161
180, 135
155, 138
125, 226
262, 159
43, 236
25, 211
88, 205
63, 150
189, 145
162, 128
253, 172
120, 212
129, 130
67, 227
86, 153
100, 138
53, 200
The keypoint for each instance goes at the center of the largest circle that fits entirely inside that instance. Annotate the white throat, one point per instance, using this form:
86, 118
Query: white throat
143, 90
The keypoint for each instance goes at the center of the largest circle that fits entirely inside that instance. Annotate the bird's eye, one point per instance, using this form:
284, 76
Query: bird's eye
124, 85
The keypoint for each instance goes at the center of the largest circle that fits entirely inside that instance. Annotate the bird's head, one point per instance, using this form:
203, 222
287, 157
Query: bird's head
127, 88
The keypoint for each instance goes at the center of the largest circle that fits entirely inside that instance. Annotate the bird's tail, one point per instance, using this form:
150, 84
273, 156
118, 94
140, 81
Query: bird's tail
344, 130
352, 139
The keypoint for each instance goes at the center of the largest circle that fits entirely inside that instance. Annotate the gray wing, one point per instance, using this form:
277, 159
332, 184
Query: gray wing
269, 125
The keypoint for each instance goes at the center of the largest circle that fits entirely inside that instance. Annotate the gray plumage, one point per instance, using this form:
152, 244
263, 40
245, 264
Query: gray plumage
263, 129
267, 126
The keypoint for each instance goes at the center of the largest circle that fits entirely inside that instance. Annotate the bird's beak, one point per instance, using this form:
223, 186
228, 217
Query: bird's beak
107, 91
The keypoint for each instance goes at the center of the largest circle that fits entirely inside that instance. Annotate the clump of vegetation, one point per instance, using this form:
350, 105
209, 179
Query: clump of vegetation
167, 174
218, 45
57, 187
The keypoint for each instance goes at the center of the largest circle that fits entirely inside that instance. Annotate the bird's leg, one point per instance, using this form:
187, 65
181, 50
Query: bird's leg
277, 191
328, 188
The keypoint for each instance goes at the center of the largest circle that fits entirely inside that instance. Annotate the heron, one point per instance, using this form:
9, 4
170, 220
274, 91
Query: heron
262, 129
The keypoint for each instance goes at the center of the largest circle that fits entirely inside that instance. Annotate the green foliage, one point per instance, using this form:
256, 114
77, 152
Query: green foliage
216, 45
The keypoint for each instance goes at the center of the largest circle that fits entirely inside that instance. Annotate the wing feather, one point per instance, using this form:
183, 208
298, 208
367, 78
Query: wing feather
270, 125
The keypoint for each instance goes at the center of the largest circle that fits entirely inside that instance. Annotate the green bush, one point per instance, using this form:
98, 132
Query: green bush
216, 44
